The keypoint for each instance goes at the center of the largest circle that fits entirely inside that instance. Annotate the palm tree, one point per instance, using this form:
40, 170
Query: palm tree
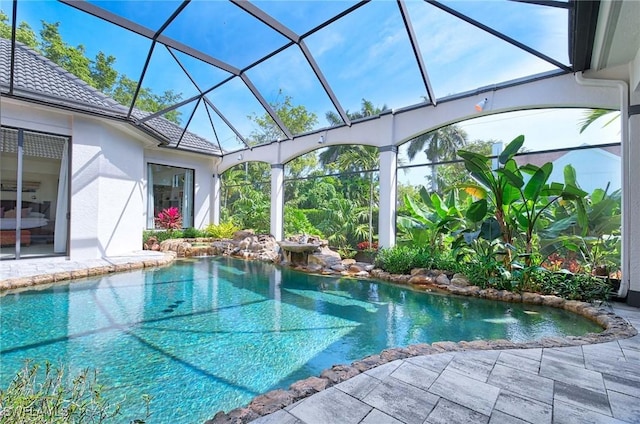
594, 114
440, 144
358, 158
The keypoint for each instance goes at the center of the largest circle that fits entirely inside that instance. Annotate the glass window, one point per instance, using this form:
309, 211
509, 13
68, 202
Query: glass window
169, 186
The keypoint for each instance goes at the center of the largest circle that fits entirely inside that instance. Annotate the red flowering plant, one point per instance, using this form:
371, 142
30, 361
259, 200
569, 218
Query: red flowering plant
555, 262
368, 247
169, 219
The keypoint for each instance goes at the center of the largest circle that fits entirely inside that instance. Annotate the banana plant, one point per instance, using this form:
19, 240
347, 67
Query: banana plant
516, 202
596, 238
429, 219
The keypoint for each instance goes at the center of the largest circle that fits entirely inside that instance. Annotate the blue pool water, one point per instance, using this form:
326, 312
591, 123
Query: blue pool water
210, 334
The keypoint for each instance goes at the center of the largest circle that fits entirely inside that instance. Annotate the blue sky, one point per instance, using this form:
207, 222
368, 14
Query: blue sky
363, 55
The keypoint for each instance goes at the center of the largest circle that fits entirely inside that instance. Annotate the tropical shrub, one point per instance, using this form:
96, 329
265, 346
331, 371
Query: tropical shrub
192, 233
160, 235
223, 230
396, 260
517, 203
169, 219
594, 241
297, 222
32, 398
346, 252
365, 245
584, 286
429, 219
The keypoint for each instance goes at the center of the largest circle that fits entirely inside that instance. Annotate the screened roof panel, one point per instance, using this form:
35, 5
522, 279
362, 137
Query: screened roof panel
462, 57
127, 48
288, 76
178, 87
302, 17
367, 54
151, 14
238, 104
542, 28
203, 74
226, 139
201, 124
379, 66
224, 31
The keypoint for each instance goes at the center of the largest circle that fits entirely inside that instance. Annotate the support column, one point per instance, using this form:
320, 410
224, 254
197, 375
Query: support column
632, 193
216, 195
388, 196
277, 200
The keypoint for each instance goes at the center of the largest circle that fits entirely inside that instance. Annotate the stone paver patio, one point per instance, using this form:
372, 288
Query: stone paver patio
598, 383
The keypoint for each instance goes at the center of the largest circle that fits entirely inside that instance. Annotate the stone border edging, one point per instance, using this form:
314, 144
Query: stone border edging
45, 279
615, 327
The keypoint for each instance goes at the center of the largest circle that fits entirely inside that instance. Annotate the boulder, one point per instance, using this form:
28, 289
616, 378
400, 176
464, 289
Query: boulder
460, 280
271, 402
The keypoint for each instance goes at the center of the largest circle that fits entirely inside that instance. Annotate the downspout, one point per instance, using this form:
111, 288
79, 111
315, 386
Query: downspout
624, 139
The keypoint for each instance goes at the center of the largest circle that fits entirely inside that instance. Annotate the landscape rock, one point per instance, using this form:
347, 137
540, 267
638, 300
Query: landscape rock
339, 373
459, 280
271, 402
308, 386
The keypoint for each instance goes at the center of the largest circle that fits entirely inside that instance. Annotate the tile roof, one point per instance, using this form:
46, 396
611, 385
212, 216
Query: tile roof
38, 78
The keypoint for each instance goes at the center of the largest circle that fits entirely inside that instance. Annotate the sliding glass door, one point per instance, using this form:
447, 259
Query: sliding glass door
34, 201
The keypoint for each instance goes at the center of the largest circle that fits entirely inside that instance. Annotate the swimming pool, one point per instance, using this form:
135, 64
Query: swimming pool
210, 334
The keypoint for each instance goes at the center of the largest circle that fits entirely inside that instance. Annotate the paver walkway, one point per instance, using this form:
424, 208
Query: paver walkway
597, 383
40, 266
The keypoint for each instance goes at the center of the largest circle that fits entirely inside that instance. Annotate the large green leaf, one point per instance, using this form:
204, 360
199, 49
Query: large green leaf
510, 194
537, 182
425, 197
558, 226
608, 225
570, 175
477, 211
406, 223
436, 201
529, 168
511, 149
477, 165
511, 177
451, 199
571, 190
415, 209
490, 229
597, 196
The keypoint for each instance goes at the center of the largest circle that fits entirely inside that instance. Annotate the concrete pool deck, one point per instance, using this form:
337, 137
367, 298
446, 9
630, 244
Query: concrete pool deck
594, 383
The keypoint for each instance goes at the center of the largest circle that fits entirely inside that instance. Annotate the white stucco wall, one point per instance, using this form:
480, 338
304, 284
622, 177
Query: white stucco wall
108, 177
106, 187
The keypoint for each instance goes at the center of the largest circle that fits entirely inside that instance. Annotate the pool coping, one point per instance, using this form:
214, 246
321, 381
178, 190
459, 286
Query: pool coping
614, 327
91, 269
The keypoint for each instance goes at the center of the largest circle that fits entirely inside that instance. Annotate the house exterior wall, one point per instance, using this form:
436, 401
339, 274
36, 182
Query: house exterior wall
106, 190
108, 178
